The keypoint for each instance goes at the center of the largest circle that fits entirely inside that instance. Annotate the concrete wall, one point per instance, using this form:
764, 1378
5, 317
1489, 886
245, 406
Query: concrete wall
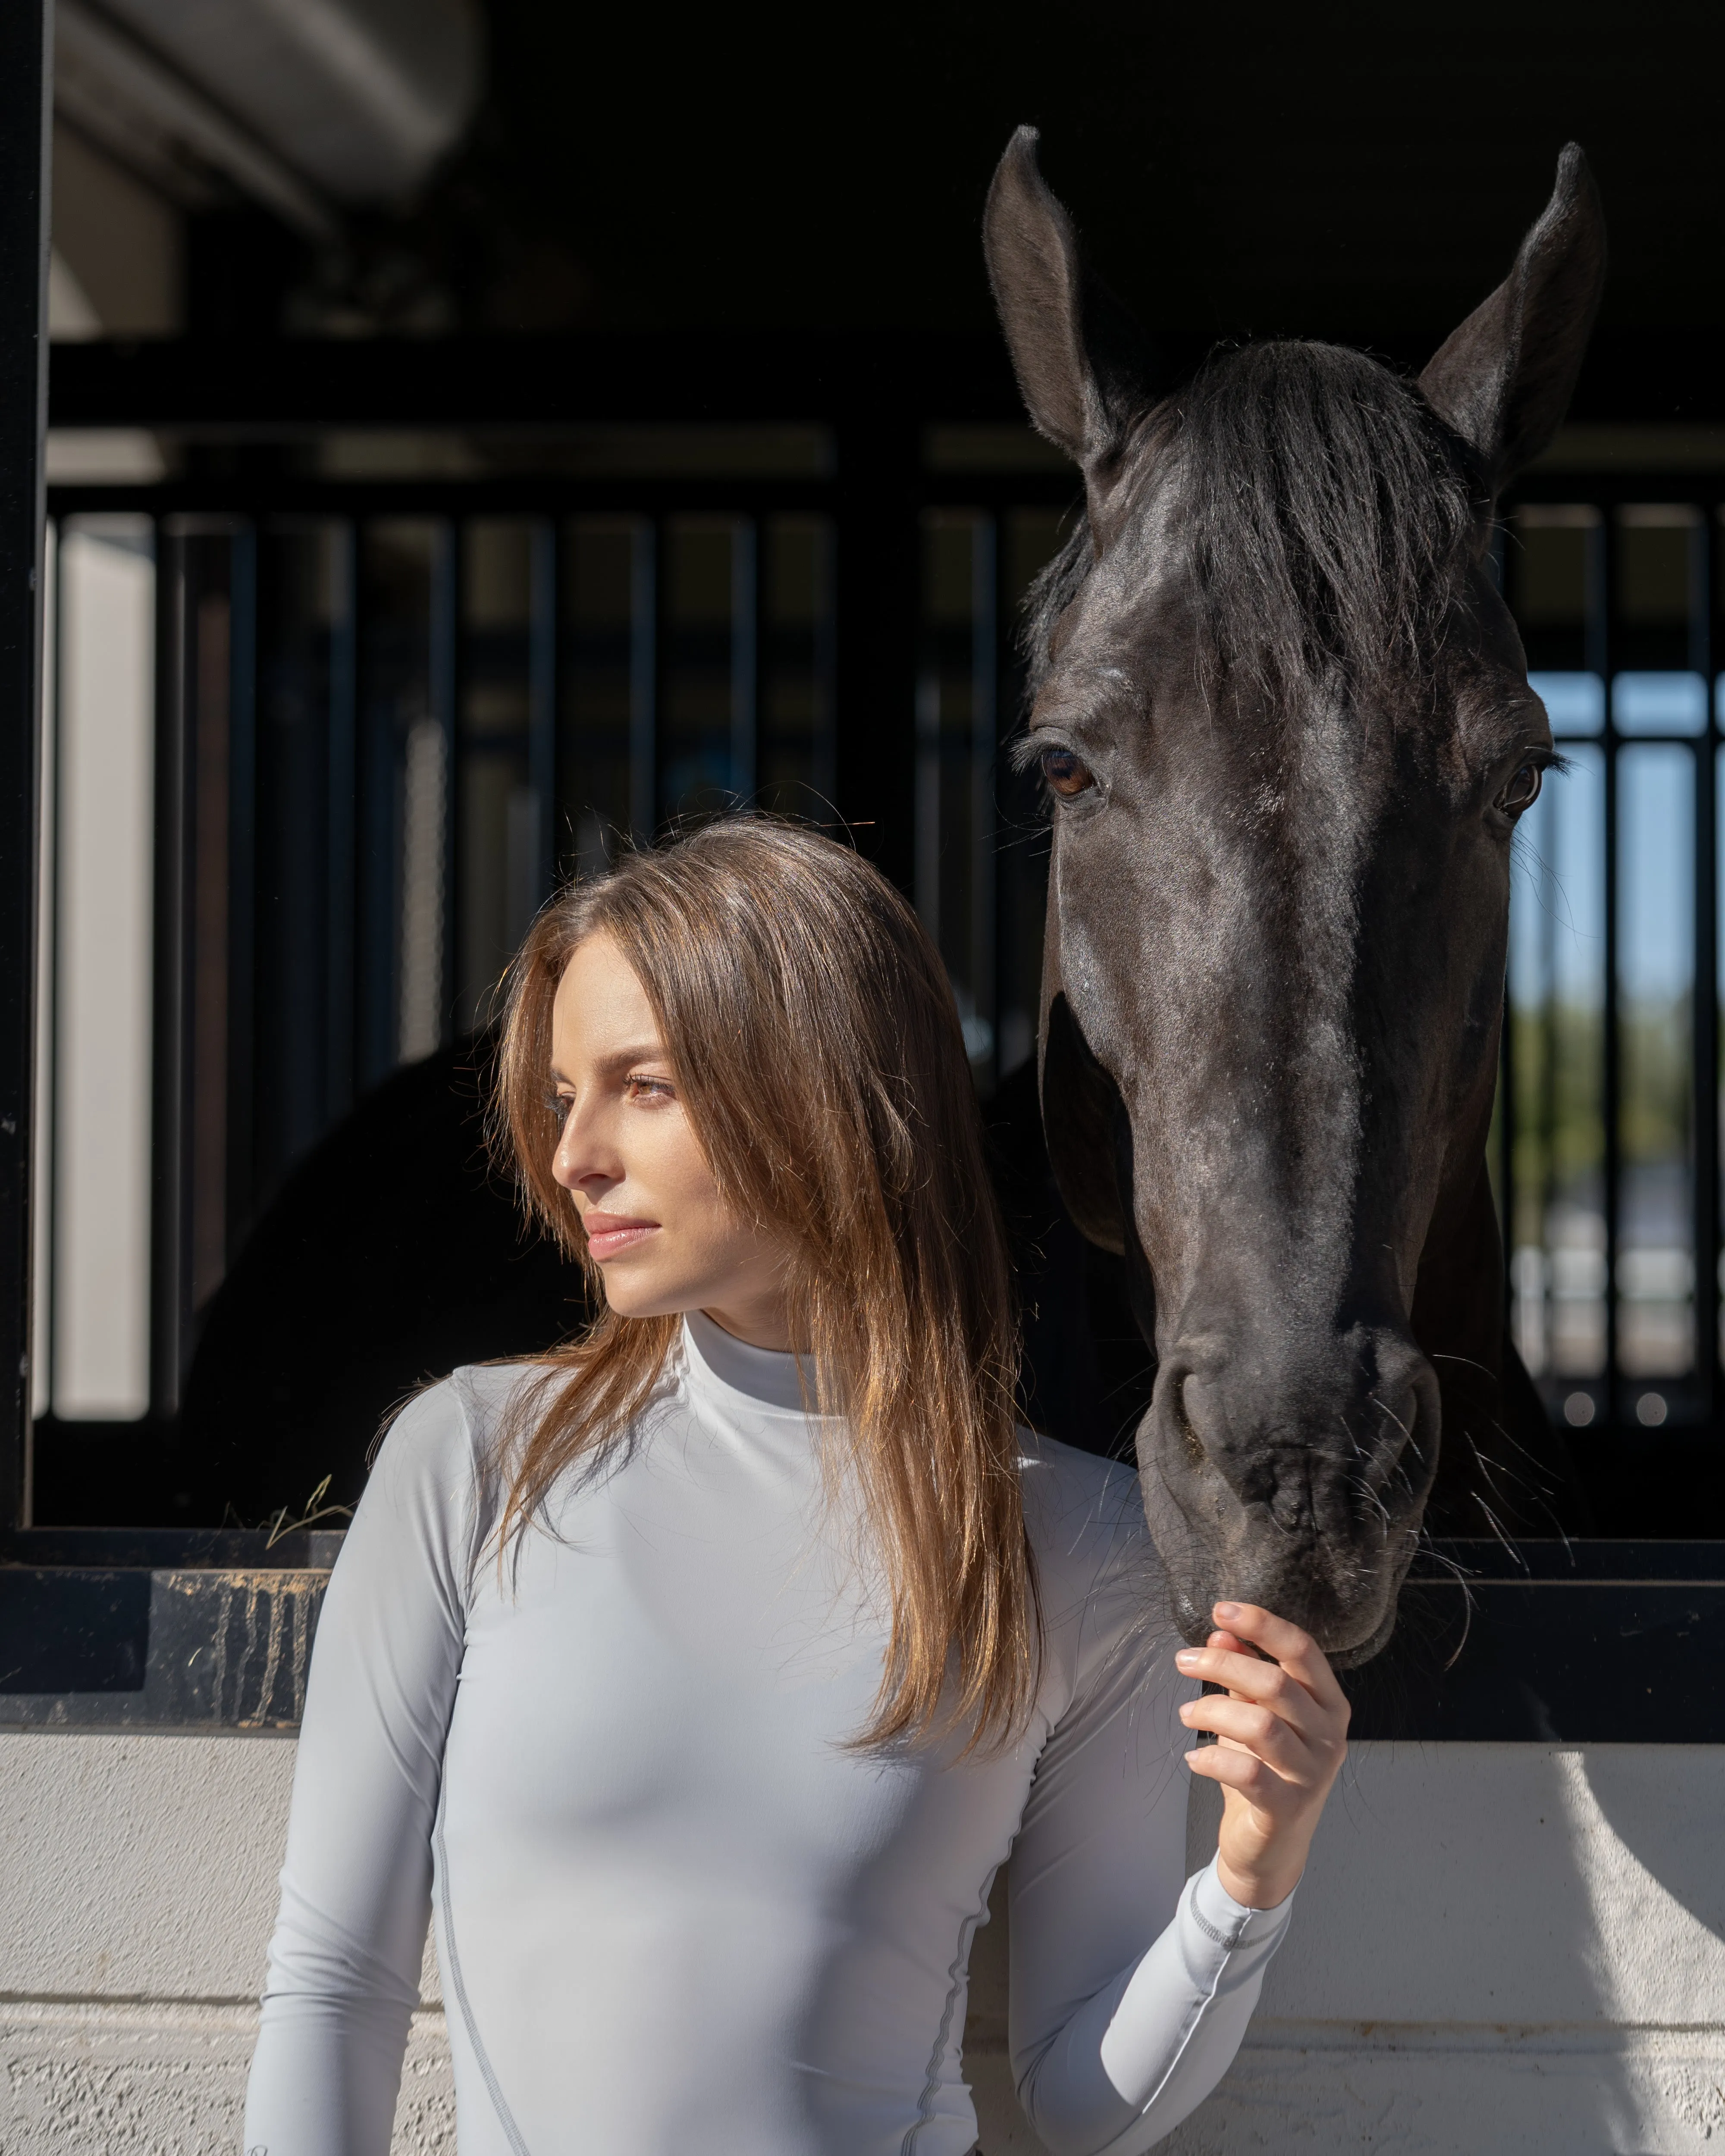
1498, 1948
137, 1889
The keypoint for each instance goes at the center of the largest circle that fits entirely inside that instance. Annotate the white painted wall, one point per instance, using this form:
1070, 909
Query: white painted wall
1498, 1948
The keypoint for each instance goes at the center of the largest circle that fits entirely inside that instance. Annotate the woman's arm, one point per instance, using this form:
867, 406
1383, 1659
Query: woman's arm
1129, 1992
344, 1959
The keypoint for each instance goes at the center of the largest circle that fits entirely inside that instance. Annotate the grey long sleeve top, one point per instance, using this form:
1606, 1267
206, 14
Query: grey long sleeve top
675, 1912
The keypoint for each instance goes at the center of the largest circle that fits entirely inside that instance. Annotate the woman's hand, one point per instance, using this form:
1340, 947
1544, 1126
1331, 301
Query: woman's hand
1281, 1733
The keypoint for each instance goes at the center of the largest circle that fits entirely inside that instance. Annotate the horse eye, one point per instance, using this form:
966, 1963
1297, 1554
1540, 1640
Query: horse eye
1521, 792
1066, 774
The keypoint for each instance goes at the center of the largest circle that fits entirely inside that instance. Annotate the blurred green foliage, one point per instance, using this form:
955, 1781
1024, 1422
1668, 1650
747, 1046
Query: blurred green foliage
1558, 1063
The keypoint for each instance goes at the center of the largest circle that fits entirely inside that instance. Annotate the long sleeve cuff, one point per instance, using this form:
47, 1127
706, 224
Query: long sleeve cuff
1229, 1923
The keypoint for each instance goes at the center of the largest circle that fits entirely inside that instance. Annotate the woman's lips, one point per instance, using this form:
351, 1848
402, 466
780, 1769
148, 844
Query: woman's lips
608, 1234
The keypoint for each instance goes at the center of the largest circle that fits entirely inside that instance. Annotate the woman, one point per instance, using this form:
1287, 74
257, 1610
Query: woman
703, 1673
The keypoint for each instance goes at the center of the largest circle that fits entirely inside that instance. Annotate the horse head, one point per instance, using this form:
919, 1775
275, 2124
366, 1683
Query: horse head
1284, 719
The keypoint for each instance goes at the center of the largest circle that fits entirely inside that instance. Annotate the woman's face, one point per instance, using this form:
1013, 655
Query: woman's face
664, 1238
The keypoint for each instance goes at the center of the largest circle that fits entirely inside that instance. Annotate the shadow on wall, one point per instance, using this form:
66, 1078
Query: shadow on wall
1497, 1948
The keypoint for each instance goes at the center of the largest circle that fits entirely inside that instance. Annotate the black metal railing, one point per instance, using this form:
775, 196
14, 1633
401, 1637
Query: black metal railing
1609, 1146
390, 710
387, 716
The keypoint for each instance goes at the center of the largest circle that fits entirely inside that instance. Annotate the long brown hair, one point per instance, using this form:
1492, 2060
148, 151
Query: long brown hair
817, 1048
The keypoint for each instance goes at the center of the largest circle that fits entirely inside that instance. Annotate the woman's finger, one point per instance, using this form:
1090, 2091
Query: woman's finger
1260, 1732
1268, 1683
1297, 1651
1261, 1785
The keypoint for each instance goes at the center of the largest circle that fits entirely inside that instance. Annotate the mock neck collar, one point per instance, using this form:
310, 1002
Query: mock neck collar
763, 1375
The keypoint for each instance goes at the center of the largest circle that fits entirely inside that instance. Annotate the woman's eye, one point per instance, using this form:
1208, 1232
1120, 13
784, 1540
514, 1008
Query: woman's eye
1523, 791
1065, 773
647, 1089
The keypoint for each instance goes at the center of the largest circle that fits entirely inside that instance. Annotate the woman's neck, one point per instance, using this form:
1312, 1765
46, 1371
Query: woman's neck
763, 1321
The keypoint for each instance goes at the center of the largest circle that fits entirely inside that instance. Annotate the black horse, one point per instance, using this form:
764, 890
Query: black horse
1284, 719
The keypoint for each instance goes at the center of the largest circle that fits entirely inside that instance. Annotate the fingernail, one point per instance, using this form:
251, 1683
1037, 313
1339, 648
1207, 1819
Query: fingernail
1185, 1657
1227, 1609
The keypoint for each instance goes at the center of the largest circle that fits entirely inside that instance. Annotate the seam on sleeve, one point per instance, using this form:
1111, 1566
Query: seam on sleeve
494, 2088
1194, 2023
1209, 1931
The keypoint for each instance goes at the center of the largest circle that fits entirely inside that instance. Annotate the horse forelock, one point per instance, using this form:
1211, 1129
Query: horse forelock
1330, 516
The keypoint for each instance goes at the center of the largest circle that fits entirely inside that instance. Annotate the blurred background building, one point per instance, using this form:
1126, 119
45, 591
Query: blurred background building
482, 432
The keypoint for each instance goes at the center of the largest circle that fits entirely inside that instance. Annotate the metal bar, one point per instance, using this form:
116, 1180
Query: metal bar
290, 387
1704, 997
378, 928
746, 605
444, 687
26, 62
1507, 1143
645, 659
1602, 599
984, 756
543, 640
1548, 1082
291, 496
170, 1245
929, 776
242, 882
1003, 867
43, 1204
343, 809
824, 774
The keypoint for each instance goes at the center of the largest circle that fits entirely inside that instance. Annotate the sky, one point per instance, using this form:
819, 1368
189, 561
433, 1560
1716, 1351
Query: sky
1558, 906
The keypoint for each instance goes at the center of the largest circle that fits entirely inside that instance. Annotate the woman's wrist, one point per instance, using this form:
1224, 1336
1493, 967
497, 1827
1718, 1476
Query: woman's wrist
1258, 1890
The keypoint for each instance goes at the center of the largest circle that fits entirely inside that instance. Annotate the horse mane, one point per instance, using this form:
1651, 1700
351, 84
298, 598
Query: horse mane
1331, 512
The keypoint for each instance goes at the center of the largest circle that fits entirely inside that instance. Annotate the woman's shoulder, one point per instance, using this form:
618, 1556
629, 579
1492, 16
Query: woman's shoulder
444, 1440
1099, 1581
436, 1481
1082, 1512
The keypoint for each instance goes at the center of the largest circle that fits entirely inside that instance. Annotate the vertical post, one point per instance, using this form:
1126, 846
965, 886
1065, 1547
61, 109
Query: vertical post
339, 949
1704, 997
879, 560
1506, 1140
823, 769
1600, 657
745, 655
543, 639
242, 880
445, 690
26, 49
1009, 922
984, 757
643, 670
176, 700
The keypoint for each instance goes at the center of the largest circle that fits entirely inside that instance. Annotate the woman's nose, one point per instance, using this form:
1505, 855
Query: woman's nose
581, 1157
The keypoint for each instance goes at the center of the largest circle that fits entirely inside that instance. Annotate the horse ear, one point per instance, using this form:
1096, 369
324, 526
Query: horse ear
1503, 380
1082, 361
